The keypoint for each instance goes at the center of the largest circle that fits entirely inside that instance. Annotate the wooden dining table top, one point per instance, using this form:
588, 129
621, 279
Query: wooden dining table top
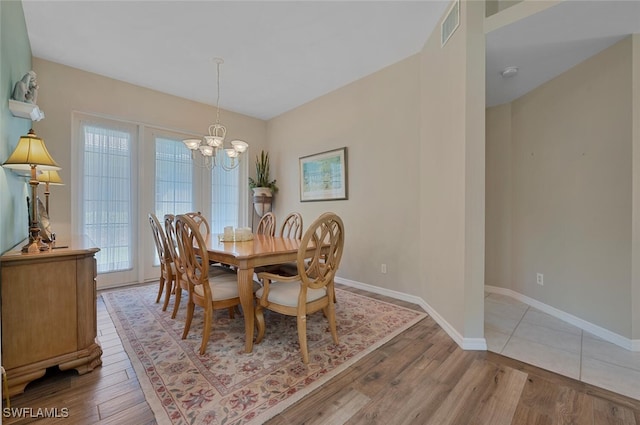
261, 250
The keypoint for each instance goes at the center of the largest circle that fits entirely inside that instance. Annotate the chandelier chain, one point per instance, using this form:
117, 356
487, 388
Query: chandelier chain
218, 94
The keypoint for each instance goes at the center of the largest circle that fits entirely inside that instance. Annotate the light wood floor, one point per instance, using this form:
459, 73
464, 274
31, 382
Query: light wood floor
419, 377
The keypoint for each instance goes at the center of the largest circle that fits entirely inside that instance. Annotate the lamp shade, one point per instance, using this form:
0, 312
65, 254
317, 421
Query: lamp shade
31, 151
52, 177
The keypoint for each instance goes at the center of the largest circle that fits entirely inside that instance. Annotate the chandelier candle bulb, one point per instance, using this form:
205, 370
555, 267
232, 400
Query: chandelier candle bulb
192, 143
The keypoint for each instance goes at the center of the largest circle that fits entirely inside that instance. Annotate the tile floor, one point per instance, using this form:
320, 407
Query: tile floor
516, 330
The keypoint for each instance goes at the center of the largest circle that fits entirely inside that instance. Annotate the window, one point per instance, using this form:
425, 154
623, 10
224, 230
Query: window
127, 170
174, 178
106, 198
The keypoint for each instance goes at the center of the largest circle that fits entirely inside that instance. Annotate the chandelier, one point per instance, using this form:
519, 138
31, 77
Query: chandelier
210, 151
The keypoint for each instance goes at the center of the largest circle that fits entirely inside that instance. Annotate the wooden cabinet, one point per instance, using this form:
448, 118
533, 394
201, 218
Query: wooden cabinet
48, 312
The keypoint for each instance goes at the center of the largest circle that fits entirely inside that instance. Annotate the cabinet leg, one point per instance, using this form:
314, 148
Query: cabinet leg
17, 384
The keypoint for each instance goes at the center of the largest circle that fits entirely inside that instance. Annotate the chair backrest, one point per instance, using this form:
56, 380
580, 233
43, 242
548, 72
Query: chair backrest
160, 239
196, 267
201, 222
327, 231
267, 224
170, 232
292, 226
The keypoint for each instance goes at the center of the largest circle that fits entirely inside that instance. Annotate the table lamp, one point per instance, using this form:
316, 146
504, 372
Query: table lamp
50, 177
31, 154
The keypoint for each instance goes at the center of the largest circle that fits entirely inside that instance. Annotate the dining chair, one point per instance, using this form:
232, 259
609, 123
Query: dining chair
201, 222
170, 231
181, 283
167, 267
210, 293
205, 231
267, 224
312, 289
291, 228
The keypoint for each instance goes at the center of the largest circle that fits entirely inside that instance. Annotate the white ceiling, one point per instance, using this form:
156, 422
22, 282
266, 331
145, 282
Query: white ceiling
279, 55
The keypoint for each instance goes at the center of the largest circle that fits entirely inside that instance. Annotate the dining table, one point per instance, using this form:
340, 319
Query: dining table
245, 256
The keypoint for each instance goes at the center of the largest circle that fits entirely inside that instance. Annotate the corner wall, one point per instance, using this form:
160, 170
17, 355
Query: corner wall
635, 250
569, 155
452, 176
499, 192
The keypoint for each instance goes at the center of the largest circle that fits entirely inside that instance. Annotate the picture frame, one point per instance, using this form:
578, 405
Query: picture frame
323, 176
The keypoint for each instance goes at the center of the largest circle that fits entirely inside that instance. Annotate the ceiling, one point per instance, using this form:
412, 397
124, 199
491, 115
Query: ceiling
550, 42
279, 55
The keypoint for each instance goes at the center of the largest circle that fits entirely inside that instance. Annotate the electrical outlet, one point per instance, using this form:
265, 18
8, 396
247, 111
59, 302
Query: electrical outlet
540, 279
383, 268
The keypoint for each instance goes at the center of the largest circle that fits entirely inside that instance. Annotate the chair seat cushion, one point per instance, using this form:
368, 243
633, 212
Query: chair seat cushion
286, 293
223, 287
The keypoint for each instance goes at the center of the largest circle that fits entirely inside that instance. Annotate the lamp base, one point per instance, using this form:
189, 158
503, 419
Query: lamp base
35, 245
31, 248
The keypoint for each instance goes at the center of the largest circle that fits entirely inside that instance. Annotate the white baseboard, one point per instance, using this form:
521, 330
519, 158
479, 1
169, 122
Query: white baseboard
600, 332
464, 343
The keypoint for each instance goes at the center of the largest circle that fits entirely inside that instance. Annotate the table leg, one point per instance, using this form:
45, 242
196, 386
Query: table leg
245, 288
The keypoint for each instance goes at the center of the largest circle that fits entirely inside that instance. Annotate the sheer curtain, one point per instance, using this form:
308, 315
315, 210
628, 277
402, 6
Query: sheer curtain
174, 178
107, 207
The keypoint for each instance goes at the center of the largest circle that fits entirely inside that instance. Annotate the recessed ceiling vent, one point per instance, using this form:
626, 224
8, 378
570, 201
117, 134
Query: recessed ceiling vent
450, 23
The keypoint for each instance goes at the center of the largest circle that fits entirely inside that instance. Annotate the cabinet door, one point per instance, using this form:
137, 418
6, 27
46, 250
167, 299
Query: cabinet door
39, 314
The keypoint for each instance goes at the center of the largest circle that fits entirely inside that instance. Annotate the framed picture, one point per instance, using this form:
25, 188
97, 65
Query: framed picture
323, 176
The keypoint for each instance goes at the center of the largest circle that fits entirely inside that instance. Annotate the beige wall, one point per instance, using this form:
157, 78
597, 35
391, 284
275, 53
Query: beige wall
377, 119
452, 174
499, 190
495, 6
635, 255
570, 160
64, 90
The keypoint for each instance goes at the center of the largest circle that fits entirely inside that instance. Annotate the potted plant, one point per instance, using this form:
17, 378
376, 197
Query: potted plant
263, 188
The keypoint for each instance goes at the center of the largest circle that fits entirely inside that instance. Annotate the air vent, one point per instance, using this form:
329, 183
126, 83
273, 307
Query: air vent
450, 23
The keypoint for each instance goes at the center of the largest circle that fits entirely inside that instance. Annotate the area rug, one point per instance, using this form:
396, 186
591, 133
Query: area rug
227, 385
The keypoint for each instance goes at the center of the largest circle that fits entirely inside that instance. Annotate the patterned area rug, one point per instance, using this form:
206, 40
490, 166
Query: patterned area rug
226, 385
